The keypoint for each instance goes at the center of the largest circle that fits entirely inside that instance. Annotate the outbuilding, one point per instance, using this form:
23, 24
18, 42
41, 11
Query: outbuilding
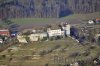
4, 32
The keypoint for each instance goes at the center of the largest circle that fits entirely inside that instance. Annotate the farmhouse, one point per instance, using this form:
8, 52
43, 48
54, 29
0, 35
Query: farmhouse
37, 36
63, 31
56, 32
21, 38
4, 32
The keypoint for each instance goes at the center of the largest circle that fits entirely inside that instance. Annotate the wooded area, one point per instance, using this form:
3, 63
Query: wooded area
46, 8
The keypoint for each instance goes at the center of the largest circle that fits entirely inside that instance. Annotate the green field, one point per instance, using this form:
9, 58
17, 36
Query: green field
28, 20
83, 16
22, 21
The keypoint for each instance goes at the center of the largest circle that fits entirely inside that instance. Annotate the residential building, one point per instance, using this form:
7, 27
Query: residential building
56, 32
21, 38
67, 29
63, 31
4, 32
34, 37
37, 36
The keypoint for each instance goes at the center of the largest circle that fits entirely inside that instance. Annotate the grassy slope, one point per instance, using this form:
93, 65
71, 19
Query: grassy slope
31, 20
70, 46
39, 20
83, 16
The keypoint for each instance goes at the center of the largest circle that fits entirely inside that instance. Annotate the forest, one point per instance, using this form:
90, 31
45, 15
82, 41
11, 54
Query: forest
46, 8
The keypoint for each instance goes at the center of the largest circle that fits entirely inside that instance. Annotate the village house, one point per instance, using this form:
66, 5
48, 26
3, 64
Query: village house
37, 36
67, 29
63, 31
21, 38
4, 32
56, 32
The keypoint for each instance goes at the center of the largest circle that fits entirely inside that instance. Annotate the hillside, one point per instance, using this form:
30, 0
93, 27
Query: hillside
54, 53
47, 8
40, 22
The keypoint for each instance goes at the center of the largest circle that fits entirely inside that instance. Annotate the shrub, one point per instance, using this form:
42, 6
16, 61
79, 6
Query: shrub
49, 50
44, 38
86, 53
46, 65
26, 57
27, 39
62, 50
33, 53
57, 46
42, 53
92, 47
75, 54
2, 57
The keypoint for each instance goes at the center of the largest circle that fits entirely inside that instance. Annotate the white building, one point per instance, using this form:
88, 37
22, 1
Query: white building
56, 32
21, 39
37, 36
34, 37
59, 32
66, 28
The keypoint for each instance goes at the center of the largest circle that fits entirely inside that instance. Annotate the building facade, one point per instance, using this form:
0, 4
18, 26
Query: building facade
21, 39
37, 36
